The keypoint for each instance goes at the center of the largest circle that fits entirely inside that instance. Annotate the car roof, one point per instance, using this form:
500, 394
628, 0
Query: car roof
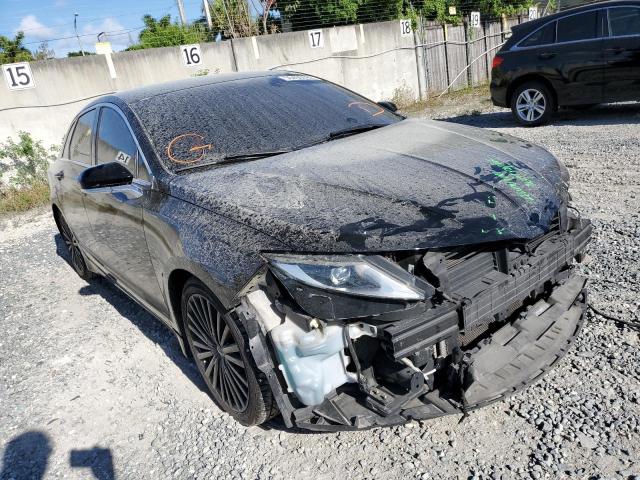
588, 6
138, 94
531, 25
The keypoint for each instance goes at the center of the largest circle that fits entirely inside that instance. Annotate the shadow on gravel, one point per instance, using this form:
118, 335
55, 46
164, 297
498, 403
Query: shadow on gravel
613, 114
99, 460
26, 456
151, 327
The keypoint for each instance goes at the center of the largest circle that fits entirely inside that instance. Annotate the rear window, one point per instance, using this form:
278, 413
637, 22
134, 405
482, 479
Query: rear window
582, 26
624, 21
205, 124
544, 36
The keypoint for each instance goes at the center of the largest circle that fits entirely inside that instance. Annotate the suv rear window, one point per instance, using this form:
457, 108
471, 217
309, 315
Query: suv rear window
624, 21
544, 36
582, 26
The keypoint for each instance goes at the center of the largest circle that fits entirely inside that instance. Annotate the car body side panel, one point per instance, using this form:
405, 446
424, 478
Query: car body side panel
623, 69
221, 252
576, 71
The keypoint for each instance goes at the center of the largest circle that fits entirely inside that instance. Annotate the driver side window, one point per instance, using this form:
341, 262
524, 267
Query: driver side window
115, 143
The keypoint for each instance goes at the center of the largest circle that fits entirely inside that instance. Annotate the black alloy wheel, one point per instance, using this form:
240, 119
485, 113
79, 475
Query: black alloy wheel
73, 248
219, 347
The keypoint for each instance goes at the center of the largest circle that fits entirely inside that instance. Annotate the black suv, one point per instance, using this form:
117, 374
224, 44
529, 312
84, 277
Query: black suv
577, 58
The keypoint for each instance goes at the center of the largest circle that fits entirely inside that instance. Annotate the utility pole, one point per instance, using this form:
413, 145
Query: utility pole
207, 13
75, 27
183, 18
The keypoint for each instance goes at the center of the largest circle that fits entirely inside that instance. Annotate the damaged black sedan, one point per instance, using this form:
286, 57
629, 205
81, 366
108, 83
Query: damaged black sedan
320, 256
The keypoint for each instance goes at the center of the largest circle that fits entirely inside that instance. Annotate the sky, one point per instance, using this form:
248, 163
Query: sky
52, 20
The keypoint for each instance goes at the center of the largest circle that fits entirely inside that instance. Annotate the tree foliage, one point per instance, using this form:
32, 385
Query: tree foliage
12, 50
307, 14
164, 33
43, 52
79, 53
232, 19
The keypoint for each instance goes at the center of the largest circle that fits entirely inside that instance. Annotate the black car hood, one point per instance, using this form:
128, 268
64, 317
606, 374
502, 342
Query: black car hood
415, 184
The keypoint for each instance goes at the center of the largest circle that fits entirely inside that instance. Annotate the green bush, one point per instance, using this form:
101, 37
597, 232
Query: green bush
28, 160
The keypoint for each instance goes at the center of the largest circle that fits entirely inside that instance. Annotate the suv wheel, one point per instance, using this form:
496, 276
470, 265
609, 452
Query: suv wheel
532, 104
220, 348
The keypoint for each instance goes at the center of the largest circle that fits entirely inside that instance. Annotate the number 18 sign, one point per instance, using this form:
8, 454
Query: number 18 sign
18, 76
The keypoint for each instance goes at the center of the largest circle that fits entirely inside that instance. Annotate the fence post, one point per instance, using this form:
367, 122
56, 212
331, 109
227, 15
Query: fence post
487, 61
420, 67
446, 51
504, 27
467, 45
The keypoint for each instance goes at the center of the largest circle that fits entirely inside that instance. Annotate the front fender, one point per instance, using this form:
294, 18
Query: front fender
221, 252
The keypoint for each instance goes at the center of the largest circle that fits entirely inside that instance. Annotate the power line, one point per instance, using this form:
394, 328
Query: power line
95, 19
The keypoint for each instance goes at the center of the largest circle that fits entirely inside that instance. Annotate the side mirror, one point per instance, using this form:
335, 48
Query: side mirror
112, 174
389, 106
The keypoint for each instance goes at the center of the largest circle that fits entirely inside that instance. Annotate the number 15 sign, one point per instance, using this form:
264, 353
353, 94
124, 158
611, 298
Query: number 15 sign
18, 76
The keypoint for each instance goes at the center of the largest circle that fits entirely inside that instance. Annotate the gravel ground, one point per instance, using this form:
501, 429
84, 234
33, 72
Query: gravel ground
92, 386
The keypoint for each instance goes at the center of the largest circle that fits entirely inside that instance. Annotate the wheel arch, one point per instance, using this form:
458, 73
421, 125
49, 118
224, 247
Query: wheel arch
531, 77
176, 282
57, 213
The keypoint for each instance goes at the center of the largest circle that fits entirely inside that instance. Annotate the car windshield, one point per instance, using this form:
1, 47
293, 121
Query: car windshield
254, 117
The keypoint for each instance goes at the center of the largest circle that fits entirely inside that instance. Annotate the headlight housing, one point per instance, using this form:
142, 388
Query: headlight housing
335, 287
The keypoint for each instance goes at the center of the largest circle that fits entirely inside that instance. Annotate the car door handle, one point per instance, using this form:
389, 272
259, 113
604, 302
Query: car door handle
546, 55
615, 50
59, 175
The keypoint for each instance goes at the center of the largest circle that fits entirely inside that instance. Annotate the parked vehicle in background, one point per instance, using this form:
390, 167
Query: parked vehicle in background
577, 58
318, 254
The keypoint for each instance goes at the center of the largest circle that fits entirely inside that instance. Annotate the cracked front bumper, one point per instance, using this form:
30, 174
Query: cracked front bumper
524, 346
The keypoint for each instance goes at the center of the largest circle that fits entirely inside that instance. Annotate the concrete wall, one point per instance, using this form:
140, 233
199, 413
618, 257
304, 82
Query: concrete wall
374, 74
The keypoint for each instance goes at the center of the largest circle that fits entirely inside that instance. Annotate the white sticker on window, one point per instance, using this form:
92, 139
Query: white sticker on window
123, 158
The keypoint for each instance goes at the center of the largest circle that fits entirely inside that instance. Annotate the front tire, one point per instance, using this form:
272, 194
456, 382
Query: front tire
220, 348
76, 258
532, 104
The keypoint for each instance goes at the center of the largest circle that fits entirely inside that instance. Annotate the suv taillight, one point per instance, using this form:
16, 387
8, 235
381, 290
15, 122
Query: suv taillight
497, 61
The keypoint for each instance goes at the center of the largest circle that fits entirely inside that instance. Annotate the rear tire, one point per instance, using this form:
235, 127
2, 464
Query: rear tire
532, 104
220, 348
76, 258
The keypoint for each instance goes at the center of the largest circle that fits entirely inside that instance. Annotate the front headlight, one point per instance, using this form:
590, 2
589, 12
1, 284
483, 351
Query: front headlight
347, 286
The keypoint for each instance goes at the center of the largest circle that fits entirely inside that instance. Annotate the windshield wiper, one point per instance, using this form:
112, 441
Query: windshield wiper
346, 132
236, 158
241, 157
